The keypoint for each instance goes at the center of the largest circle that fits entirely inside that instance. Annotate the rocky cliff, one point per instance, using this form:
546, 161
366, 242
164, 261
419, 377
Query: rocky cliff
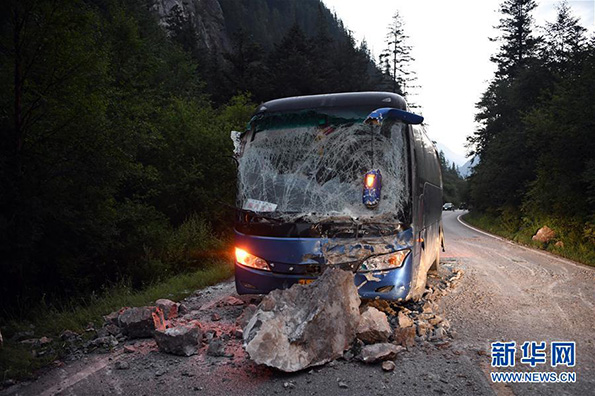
204, 18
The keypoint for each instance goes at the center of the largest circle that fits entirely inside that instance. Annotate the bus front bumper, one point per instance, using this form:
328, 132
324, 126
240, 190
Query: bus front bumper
391, 284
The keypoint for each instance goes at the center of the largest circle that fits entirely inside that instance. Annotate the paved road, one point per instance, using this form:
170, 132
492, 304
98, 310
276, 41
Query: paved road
507, 293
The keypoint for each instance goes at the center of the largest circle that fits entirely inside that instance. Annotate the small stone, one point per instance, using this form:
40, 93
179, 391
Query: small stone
182, 340
183, 309
544, 235
215, 317
238, 333
559, 244
122, 365
404, 336
343, 385
404, 320
373, 326
388, 365
381, 351
129, 349
422, 328
246, 315
289, 385
160, 372
216, 349
45, 340
232, 301
68, 335
139, 322
169, 308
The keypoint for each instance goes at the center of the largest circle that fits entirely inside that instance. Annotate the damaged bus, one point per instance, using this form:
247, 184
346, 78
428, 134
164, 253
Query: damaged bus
348, 180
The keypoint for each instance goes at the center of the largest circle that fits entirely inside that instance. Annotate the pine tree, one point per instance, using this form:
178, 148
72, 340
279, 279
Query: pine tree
396, 58
518, 44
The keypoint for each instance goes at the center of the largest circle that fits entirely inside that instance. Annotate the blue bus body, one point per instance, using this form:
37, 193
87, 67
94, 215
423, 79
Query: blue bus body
390, 258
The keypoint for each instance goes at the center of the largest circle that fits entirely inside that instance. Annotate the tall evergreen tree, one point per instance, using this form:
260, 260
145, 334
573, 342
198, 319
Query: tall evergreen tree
396, 58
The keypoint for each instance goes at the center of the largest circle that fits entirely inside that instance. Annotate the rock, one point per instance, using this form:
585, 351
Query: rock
183, 309
113, 316
435, 320
404, 336
373, 326
112, 329
182, 340
289, 385
122, 365
104, 342
404, 320
422, 328
231, 301
216, 348
246, 315
388, 365
129, 349
215, 317
438, 334
169, 308
544, 235
381, 351
559, 244
138, 322
44, 340
305, 325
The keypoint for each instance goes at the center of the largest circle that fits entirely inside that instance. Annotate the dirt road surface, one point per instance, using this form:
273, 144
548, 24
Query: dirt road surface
507, 293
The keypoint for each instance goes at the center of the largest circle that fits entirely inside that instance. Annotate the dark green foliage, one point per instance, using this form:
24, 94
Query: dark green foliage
537, 120
109, 150
454, 187
114, 134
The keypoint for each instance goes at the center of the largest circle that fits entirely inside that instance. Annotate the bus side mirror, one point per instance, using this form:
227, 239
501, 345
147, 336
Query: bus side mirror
377, 116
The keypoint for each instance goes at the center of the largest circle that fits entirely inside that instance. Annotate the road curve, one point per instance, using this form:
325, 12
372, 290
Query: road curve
507, 293
514, 293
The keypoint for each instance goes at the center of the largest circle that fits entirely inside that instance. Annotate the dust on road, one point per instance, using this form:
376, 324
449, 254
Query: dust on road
507, 293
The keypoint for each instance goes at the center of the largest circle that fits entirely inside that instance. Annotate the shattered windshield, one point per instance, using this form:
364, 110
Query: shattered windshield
311, 165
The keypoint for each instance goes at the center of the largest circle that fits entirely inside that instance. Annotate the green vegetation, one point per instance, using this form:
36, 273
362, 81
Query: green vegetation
454, 187
510, 227
536, 141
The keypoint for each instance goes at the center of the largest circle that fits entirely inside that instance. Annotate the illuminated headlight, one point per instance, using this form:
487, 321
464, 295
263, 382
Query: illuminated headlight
250, 260
385, 261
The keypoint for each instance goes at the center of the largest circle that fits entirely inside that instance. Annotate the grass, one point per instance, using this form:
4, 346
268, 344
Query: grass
17, 360
522, 230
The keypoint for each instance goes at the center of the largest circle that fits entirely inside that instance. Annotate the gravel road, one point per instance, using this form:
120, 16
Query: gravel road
507, 293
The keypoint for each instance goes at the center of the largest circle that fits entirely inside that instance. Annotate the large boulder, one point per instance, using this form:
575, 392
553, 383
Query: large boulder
305, 325
373, 326
183, 339
138, 322
544, 235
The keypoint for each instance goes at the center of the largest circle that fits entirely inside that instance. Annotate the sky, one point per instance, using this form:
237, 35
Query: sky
451, 47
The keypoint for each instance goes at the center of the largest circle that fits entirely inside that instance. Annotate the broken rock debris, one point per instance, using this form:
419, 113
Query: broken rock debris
373, 326
305, 325
183, 339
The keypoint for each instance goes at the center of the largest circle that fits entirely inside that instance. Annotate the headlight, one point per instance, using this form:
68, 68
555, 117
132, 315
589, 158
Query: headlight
385, 261
250, 260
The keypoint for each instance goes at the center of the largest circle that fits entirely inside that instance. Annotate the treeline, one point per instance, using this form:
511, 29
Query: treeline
280, 49
115, 138
454, 186
537, 136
